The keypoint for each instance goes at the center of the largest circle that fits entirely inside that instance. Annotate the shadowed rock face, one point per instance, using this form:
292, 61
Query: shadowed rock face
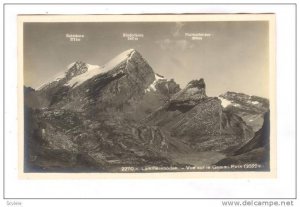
124, 116
260, 139
255, 150
167, 87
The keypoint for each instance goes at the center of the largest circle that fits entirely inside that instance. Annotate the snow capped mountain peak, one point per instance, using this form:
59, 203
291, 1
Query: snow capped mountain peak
118, 59
93, 70
76, 69
241, 99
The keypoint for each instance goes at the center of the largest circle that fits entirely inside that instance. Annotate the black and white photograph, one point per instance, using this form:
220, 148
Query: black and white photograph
147, 94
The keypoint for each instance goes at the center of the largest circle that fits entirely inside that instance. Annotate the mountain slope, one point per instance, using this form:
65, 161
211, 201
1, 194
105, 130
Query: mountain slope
255, 150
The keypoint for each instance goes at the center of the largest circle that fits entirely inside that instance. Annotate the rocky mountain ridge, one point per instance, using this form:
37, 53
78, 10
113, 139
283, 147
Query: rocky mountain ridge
250, 108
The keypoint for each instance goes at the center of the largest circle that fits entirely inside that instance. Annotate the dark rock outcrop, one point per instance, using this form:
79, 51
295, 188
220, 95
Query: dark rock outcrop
76, 69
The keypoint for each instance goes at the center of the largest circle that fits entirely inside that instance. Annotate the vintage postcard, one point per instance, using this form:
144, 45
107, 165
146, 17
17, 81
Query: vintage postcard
171, 95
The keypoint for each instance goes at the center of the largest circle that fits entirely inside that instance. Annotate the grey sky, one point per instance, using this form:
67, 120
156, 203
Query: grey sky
234, 58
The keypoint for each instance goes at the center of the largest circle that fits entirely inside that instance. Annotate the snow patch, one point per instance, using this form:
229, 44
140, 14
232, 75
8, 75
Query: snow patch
91, 72
152, 85
224, 102
92, 67
236, 105
253, 102
118, 73
132, 51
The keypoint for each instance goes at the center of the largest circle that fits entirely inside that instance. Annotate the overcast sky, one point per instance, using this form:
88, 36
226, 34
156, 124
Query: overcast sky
234, 58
